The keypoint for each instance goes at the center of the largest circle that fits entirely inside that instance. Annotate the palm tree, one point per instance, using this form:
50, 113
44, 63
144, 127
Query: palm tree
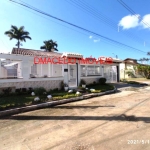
144, 60
19, 34
141, 60
49, 46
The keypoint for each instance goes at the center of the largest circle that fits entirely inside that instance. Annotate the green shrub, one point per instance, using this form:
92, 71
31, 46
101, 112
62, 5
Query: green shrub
62, 85
94, 82
7, 91
82, 82
18, 91
102, 81
30, 90
24, 90
123, 80
39, 91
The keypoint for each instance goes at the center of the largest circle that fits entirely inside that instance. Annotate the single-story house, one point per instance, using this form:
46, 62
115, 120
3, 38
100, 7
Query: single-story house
128, 65
25, 68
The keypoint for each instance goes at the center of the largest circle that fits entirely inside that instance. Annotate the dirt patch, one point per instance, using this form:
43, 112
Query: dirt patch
100, 123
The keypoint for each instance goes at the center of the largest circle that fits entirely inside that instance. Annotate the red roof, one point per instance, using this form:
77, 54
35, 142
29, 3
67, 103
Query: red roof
30, 52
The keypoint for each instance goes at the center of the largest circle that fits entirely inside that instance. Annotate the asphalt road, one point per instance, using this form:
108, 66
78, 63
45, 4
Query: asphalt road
118, 121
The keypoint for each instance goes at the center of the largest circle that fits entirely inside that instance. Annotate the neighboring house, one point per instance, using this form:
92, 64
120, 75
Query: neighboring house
25, 68
128, 65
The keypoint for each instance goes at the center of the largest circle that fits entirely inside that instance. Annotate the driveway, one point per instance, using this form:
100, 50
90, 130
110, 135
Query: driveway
118, 121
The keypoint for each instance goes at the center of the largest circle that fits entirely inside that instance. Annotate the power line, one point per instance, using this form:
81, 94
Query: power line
133, 12
98, 15
81, 28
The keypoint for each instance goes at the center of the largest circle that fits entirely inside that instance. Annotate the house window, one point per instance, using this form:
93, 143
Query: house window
97, 70
93, 70
83, 70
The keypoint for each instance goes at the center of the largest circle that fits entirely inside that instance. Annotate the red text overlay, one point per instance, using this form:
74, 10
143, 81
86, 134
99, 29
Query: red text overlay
64, 60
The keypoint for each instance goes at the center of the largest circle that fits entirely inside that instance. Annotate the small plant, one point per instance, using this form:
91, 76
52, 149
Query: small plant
24, 90
65, 85
18, 91
7, 91
94, 82
39, 91
30, 90
123, 80
82, 82
130, 73
102, 81
45, 76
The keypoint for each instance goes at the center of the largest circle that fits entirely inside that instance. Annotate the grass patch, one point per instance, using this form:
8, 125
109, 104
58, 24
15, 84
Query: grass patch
130, 82
133, 82
101, 88
19, 100
137, 79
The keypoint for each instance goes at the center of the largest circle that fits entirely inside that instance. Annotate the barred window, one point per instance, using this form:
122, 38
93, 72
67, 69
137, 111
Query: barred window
93, 70
83, 70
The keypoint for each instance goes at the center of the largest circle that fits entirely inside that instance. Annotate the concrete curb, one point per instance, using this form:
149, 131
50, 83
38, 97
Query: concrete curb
53, 103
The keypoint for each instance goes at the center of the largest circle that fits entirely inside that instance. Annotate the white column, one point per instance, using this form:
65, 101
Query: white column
62, 67
49, 69
0, 70
79, 73
52, 73
26, 69
19, 70
66, 73
41, 70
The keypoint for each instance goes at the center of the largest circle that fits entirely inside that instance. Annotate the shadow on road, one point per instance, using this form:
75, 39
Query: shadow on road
81, 107
121, 85
122, 117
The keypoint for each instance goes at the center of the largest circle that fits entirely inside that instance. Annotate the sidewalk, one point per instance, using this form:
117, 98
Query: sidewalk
123, 86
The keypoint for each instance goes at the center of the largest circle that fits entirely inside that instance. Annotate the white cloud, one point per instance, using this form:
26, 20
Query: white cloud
145, 21
90, 36
129, 21
96, 40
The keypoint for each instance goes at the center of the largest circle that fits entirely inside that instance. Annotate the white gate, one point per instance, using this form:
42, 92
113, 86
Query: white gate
110, 73
72, 76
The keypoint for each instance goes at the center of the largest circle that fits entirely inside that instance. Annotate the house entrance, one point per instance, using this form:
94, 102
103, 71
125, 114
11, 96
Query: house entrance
110, 73
72, 75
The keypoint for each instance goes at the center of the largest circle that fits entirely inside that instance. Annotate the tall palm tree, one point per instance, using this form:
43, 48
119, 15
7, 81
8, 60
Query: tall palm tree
148, 53
49, 46
19, 34
144, 60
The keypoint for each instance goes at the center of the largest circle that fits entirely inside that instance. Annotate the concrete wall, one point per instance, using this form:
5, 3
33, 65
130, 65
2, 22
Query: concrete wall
47, 84
89, 80
3, 72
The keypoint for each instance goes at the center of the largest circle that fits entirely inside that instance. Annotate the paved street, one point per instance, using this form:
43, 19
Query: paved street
118, 121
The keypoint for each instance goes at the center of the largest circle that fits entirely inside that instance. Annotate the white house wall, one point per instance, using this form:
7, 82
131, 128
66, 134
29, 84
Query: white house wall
3, 72
45, 69
47, 84
55, 73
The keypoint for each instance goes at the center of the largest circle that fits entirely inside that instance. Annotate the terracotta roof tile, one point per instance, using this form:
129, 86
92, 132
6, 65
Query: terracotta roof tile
30, 52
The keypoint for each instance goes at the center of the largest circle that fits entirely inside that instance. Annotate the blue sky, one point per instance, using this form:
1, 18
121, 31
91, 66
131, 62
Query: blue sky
105, 17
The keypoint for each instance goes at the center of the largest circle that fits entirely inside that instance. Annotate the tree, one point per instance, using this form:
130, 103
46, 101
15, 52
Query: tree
19, 34
144, 59
49, 46
144, 70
